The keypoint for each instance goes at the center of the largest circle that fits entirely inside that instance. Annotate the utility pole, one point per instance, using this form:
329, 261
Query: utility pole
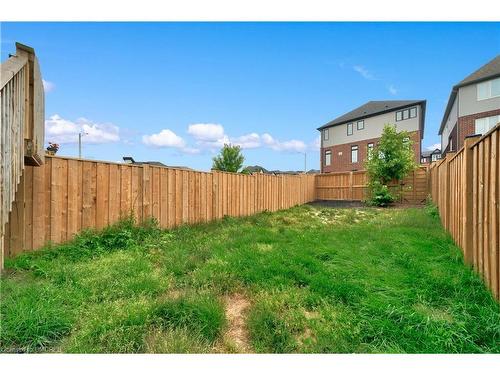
305, 160
80, 144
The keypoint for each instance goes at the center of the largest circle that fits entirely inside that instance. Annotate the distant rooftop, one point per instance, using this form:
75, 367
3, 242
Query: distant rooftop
372, 108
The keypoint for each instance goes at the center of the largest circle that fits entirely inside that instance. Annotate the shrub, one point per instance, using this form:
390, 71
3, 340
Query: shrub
392, 159
380, 194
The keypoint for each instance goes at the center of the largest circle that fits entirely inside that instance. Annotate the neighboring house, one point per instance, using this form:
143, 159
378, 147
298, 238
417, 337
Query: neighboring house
430, 156
255, 169
130, 160
473, 106
347, 140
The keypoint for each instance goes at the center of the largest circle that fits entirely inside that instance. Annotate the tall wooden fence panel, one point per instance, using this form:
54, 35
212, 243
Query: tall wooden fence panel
353, 186
21, 125
465, 186
64, 196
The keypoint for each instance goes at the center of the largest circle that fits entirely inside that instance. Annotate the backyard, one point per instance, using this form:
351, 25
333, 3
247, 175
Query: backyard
308, 279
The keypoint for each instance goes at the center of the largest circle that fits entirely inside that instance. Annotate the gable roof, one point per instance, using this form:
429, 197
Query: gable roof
426, 154
372, 108
487, 71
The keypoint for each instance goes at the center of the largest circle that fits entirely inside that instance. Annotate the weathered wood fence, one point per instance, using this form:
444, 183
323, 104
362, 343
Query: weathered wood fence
353, 186
64, 196
465, 186
21, 125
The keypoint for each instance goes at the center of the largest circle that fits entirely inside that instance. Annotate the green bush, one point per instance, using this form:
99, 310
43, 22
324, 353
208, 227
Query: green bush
380, 194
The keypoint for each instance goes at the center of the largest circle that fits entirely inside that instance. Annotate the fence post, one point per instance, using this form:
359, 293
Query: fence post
447, 191
350, 185
467, 199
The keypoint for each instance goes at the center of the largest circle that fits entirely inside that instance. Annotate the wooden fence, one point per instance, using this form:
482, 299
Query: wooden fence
353, 186
465, 187
64, 196
21, 125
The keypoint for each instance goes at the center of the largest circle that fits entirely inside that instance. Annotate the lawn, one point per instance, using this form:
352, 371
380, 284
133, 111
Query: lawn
306, 280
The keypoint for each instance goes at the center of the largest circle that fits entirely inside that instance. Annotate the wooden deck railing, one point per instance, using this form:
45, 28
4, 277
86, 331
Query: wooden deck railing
22, 125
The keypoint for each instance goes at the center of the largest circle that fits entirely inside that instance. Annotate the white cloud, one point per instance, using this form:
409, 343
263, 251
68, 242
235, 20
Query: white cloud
392, 90
251, 140
291, 145
206, 132
48, 86
364, 72
433, 147
165, 138
60, 130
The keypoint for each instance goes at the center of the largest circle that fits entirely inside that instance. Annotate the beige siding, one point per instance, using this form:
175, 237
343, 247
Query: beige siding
468, 103
373, 128
450, 124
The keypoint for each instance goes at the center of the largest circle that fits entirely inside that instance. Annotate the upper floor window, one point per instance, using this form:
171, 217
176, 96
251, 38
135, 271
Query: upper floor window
488, 89
349, 129
405, 114
328, 157
325, 134
361, 125
486, 123
435, 157
354, 154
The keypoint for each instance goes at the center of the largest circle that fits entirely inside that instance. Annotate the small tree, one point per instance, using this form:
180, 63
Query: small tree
229, 159
392, 159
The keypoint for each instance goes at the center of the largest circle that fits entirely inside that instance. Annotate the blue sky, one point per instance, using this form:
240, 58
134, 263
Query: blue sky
174, 92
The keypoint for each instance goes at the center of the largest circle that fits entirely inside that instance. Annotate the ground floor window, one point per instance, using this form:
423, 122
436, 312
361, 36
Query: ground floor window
354, 154
328, 157
486, 123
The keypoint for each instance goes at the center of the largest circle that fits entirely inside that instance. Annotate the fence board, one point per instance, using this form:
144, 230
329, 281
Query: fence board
466, 189
65, 195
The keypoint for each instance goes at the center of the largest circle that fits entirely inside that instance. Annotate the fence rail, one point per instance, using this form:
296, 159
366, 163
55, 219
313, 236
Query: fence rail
353, 186
64, 196
465, 186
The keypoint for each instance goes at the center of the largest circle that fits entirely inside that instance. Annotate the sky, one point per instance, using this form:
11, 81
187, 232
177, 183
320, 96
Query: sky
176, 92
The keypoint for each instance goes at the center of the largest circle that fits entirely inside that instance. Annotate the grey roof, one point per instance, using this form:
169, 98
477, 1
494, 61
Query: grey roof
487, 71
372, 108
426, 154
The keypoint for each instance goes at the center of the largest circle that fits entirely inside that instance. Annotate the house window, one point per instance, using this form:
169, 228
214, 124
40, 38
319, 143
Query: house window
369, 150
325, 134
489, 89
450, 141
435, 157
486, 123
405, 114
361, 125
354, 154
349, 129
328, 158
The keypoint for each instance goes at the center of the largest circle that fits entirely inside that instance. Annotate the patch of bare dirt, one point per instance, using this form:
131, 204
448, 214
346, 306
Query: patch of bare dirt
236, 308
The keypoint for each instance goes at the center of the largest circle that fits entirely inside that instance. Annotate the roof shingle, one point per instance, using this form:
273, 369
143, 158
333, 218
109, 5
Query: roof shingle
371, 108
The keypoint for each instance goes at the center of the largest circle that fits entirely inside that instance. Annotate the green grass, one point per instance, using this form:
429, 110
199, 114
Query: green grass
317, 280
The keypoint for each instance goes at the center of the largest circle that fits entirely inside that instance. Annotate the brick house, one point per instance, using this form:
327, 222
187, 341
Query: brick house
473, 106
428, 157
346, 140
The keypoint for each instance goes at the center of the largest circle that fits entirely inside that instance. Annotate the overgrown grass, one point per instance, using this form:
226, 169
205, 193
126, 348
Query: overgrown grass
317, 279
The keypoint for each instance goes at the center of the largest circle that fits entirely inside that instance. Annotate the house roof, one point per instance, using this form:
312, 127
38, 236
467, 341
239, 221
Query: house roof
372, 108
426, 154
488, 71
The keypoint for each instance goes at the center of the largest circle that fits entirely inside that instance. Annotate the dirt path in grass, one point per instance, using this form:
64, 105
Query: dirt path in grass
236, 308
